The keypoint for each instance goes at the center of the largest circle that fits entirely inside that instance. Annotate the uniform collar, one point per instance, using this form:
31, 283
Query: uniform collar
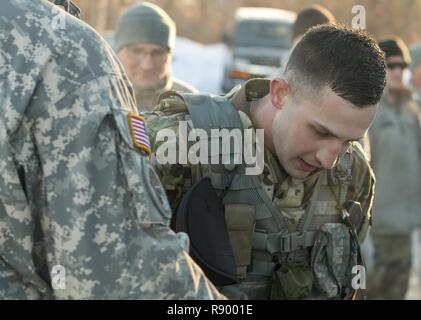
251, 90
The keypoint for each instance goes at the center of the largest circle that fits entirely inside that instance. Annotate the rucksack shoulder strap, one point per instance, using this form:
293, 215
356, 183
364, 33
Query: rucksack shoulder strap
211, 111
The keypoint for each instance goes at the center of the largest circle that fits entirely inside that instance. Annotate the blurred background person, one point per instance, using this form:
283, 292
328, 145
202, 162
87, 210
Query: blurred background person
396, 160
416, 85
416, 69
310, 17
144, 40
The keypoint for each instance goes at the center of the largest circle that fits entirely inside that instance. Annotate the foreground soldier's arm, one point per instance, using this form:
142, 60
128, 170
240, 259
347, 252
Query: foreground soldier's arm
76, 196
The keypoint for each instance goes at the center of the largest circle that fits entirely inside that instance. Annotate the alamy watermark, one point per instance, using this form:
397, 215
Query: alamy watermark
359, 21
219, 146
359, 280
58, 277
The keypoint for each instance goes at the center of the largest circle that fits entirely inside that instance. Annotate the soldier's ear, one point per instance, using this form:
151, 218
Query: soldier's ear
279, 89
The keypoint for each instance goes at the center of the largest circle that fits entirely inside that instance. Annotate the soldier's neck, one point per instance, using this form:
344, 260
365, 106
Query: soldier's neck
162, 84
261, 115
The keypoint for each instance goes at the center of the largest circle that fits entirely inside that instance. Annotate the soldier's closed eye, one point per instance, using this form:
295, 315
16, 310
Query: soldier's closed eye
323, 134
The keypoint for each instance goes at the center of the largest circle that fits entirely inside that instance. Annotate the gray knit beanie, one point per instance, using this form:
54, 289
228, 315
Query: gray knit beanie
415, 55
144, 23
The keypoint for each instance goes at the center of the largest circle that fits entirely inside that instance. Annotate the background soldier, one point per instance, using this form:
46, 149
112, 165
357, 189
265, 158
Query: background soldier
416, 69
415, 84
395, 141
77, 193
144, 40
310, 17
284, 225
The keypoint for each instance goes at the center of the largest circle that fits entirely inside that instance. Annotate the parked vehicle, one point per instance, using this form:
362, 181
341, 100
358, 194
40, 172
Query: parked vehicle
259, 44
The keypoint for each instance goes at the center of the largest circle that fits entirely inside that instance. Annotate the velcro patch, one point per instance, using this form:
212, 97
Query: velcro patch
139, 133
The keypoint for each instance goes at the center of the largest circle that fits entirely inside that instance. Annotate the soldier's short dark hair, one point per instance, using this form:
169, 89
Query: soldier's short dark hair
311, 17
348, 61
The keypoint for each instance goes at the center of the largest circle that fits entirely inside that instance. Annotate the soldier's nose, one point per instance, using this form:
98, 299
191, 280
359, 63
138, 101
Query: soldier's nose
328, 156
146, 63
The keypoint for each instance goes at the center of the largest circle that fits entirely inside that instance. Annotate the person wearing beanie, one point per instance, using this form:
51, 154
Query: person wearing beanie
310, 17
395, 142
416, 69
144, 40
398, 59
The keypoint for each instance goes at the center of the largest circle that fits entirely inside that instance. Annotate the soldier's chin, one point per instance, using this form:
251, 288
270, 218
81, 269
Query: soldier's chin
146, 85
295, 172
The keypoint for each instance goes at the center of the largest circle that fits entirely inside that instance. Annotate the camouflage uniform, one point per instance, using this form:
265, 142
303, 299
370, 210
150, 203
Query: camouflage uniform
415, 66
74, 191
389, 277
289, 195
395, 138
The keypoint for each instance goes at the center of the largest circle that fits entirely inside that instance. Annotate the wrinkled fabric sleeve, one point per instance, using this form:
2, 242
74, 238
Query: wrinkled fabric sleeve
108, 226
75, 192
165, 138
103, 221
362, 188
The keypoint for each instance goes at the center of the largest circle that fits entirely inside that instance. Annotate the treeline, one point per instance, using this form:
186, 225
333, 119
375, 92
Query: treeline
206, 20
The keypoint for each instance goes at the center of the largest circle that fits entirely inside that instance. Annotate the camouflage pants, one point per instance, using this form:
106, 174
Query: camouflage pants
389, 277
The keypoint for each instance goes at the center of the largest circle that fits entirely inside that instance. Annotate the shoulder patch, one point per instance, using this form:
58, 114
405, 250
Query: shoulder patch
139, 133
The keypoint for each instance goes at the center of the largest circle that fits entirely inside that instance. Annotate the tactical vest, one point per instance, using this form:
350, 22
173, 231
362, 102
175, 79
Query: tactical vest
271, 260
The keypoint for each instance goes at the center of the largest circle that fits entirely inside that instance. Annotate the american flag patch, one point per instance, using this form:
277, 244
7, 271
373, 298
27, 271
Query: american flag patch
139, 133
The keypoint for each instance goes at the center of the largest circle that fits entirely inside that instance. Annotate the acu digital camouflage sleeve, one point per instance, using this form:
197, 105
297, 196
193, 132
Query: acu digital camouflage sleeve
74, 192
